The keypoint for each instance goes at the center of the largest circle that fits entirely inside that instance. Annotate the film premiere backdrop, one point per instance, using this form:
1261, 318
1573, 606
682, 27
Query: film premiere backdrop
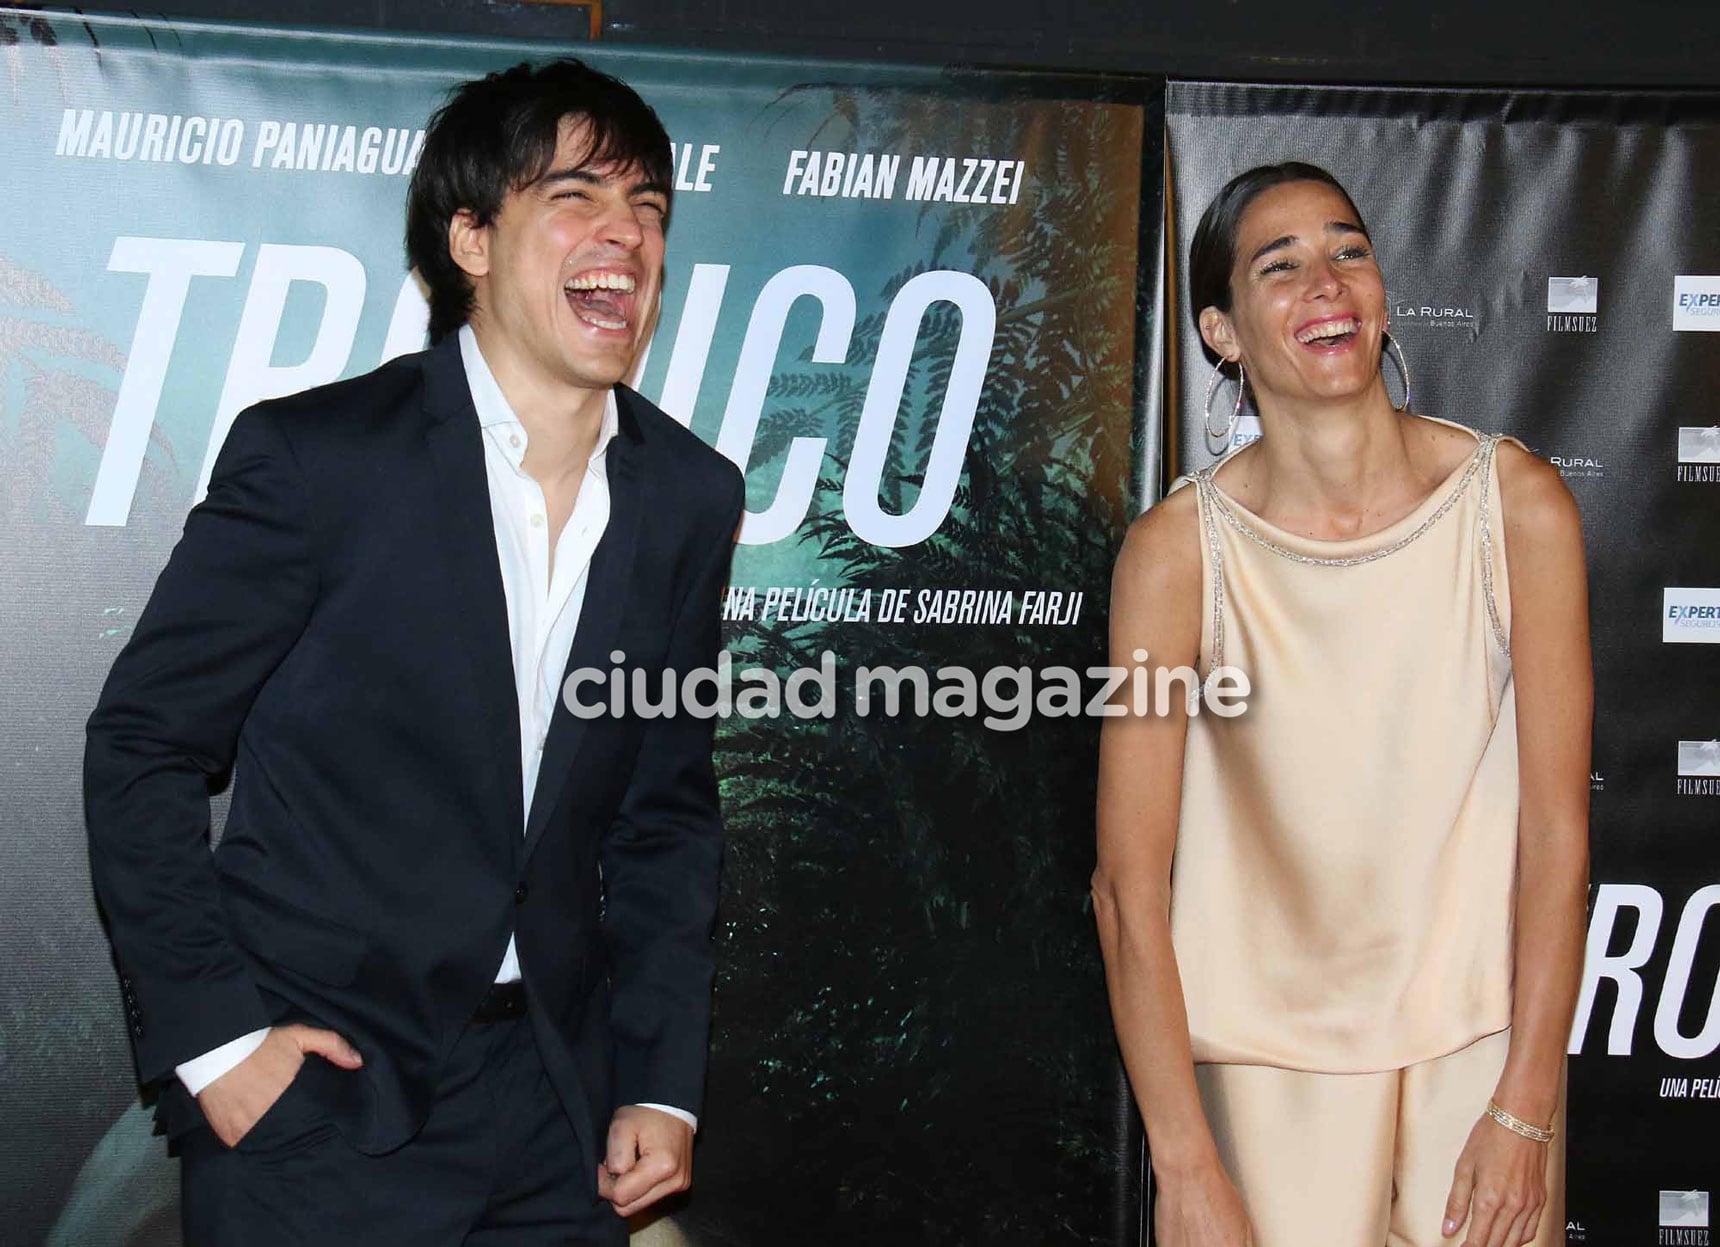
909, 1001
1552, 265
906, 301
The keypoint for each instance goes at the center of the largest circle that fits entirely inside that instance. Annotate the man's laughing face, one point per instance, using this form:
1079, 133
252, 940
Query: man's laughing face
568, 272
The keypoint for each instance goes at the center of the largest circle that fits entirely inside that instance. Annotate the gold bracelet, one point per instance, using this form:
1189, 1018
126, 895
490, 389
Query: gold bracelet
1517, 1125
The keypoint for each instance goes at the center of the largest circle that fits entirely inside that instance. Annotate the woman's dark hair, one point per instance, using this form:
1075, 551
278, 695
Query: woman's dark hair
1213, 253
498, 134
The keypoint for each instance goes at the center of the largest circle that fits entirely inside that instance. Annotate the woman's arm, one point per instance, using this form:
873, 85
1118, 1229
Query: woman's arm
1555, 712
1500, 1178
1156, 606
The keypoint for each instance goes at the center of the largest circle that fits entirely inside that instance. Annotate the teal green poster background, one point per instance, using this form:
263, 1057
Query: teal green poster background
904, 300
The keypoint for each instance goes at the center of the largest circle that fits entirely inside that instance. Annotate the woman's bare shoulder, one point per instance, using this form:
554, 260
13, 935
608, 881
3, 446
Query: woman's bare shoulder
1539, 507
1159, 567
1167, 534
1438, 447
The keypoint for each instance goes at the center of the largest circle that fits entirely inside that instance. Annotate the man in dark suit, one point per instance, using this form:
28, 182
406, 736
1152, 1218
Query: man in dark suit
446, 977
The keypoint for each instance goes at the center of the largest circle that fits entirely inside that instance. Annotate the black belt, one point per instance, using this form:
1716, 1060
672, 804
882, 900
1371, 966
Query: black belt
502, 1003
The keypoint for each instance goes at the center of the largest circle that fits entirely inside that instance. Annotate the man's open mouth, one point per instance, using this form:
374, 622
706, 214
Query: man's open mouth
601, 299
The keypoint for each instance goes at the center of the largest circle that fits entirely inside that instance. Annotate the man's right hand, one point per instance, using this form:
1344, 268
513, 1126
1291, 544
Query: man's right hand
237, 1100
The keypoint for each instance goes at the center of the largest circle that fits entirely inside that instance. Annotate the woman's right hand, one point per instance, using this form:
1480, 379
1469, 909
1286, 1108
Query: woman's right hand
1200, 1208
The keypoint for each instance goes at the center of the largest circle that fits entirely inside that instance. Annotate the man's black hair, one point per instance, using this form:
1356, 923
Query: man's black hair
498, 134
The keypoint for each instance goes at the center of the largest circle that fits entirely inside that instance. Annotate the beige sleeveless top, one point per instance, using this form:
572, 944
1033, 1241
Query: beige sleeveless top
1343, 885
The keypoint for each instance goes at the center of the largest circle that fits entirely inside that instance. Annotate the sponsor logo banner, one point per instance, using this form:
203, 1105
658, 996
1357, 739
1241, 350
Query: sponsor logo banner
1573, 304
1699, 758
1578, 467
1690, 615
1698, 768
1698, 455
1696, 304
1684, 1219
1698, 445
1421, 311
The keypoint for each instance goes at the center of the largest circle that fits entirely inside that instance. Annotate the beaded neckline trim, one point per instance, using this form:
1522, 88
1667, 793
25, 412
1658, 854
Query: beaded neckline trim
1212, 502
1221, 506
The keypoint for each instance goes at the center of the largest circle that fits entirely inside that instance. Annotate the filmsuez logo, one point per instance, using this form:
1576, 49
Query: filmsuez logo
1698, 768
1684, 1219
1699, 454
172, 266
1690, 616
1635, 916
1573, 304
1696, 304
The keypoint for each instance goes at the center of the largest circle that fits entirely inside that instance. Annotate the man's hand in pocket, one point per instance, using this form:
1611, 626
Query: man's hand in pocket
237, 1100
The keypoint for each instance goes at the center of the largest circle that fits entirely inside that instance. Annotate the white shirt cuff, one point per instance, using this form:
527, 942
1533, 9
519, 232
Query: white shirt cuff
681, 1113
199, 1072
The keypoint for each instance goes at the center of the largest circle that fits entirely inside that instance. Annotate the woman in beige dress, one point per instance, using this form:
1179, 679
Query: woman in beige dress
1343, 929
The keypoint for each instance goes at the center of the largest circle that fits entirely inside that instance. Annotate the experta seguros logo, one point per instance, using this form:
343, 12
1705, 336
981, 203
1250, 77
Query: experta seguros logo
1691, 615
1696, 304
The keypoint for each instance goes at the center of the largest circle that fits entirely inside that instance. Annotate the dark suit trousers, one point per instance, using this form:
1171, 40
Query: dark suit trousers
495, 1165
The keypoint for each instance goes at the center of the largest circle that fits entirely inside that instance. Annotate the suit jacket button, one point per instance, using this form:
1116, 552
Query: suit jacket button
520, 894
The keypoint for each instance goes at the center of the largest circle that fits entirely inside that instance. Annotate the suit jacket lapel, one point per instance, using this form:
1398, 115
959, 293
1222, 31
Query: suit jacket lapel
606, 587
468, 542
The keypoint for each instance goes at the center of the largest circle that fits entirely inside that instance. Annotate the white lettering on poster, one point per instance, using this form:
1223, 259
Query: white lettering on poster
1623, 970
293, 145
170, 264
252, 373
874, 175
252, 376
693, 165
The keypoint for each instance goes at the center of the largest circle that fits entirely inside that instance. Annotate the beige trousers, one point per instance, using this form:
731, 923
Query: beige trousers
1360, 1160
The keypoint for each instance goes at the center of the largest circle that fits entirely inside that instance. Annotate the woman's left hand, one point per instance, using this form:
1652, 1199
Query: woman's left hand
1500, 1187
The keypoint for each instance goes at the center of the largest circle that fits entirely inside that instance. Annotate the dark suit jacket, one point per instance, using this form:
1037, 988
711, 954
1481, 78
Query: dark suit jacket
332, 626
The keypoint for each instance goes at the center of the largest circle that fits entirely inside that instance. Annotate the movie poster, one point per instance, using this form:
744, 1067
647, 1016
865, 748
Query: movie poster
906, 303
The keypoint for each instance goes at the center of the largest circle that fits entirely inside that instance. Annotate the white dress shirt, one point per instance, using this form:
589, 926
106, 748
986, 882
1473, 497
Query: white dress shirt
545, 592
545, 589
